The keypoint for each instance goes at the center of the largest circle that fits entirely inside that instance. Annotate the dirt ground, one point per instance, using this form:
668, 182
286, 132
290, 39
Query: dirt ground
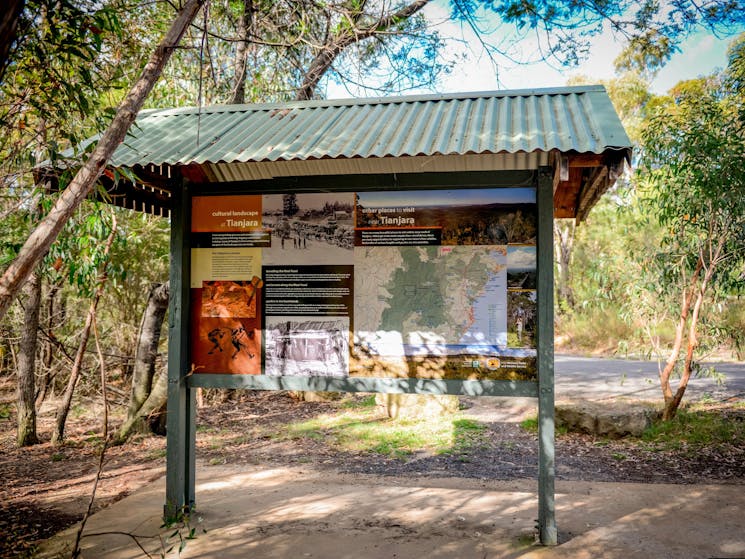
46, 489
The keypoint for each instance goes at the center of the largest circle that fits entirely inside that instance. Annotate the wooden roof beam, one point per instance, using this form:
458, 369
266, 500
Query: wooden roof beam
567, 192
593, 189
586, 160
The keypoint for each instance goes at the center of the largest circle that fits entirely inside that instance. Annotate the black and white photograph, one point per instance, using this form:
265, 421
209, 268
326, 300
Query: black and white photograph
300, 346
315, 228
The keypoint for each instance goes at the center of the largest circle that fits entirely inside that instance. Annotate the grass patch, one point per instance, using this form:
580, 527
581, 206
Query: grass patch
530, 424
359, 403
467, 434
581, 328
698, 426
361, 427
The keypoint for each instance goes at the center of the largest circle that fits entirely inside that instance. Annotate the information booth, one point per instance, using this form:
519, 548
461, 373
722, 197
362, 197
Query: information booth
390, 245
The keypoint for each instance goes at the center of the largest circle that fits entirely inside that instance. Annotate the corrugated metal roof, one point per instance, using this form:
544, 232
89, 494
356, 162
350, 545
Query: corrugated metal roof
567, 119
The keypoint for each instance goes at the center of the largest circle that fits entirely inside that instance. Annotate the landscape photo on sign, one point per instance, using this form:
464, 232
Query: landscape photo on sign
521, 267
496, 216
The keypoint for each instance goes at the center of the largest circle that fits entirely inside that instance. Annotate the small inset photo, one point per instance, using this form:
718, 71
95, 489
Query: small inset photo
230, 299
521, 318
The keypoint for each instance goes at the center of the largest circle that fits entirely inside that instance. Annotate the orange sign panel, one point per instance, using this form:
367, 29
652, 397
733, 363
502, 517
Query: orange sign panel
217, 214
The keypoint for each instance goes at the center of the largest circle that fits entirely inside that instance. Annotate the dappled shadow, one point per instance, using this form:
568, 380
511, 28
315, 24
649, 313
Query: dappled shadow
478, 449
283, 512
355, 516
290, 497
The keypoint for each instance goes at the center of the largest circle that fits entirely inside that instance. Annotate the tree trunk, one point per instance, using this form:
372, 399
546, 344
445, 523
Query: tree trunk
26, 389
8, 27
81, 185
564, 235
148, 417
245, 28
144, 368
63, 410
688, 292
673, 403
49, 347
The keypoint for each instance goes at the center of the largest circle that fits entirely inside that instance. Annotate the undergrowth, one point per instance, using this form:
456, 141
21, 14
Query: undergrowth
700, 425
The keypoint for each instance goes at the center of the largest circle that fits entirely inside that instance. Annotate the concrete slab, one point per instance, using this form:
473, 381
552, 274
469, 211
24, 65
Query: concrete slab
296, 513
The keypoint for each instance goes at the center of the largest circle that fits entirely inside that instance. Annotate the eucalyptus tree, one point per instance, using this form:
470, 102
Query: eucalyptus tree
84, 180
48, 95
260, 51
54, 93
596, 278
692, 181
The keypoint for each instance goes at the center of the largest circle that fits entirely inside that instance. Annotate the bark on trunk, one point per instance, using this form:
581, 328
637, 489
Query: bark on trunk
564, 236
26, 389
8, 27
81, 185
49, 347
64, 407
144, 368
245, 28
150, 414
688, 293
673, 403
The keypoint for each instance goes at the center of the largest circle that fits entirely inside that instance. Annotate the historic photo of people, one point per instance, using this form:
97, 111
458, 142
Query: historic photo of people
315, 228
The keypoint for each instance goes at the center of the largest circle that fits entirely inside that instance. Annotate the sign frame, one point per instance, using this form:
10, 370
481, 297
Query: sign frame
183, 382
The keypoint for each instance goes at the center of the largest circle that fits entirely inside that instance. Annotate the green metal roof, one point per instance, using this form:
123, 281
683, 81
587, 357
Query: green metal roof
568, 119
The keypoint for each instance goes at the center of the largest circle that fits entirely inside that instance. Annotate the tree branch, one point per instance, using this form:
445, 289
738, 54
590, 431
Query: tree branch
348, 36
46, 232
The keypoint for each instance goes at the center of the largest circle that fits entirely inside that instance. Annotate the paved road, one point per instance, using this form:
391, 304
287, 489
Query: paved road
580, 377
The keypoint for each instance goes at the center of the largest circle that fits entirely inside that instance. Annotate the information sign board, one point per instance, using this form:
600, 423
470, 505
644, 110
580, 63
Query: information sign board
421, 284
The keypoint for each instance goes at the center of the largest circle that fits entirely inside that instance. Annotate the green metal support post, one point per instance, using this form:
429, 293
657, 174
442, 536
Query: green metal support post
181, 421
545, 267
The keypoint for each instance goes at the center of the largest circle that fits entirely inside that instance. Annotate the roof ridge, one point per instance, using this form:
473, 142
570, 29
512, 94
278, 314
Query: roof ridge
320, 103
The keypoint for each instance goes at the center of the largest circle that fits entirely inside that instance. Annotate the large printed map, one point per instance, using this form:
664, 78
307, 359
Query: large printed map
430, 299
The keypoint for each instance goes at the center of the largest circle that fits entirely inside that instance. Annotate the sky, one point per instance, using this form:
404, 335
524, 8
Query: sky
699, 55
